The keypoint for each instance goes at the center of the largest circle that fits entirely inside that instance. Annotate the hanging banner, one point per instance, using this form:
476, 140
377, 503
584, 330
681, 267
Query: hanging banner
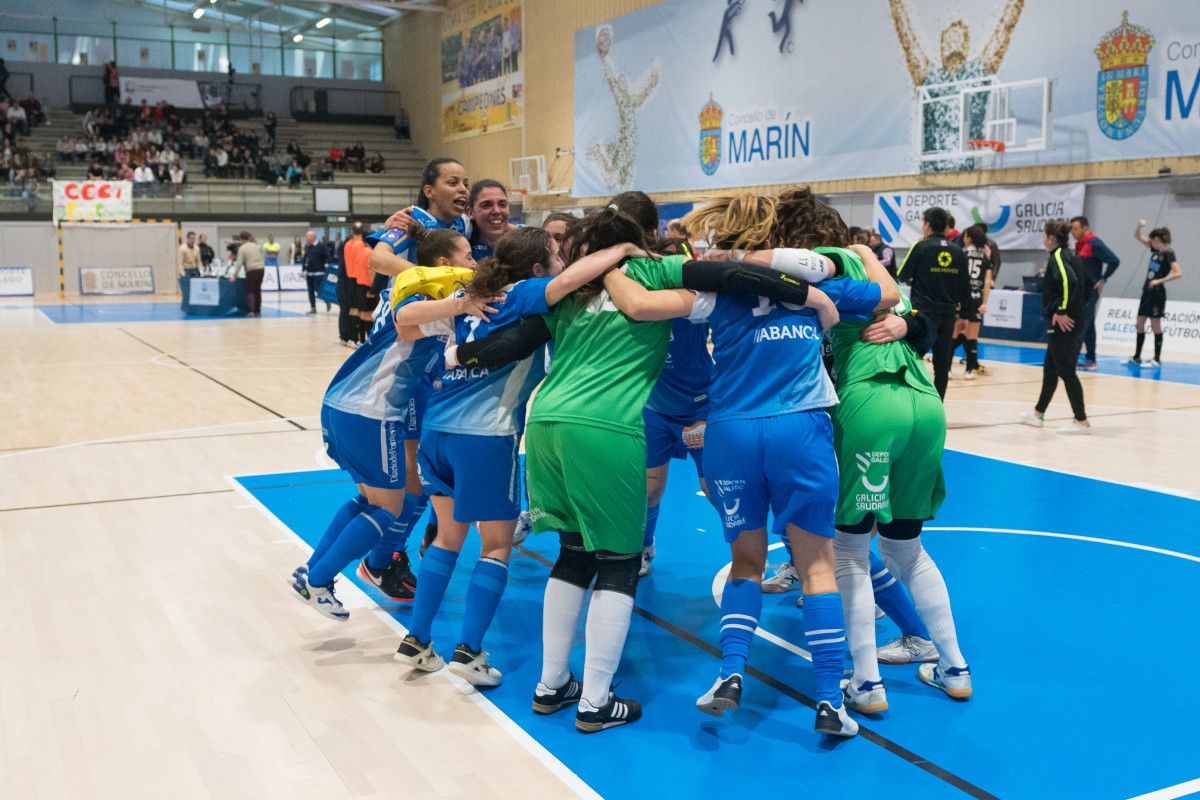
483, 83
16, 281
705, 94
1015, 215
178, 93
116, 280
1116, 324
90, 201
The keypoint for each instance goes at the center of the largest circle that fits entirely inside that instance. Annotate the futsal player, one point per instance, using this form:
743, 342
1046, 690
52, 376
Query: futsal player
1163, 269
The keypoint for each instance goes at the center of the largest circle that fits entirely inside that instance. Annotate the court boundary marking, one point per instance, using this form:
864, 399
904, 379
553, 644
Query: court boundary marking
348, 588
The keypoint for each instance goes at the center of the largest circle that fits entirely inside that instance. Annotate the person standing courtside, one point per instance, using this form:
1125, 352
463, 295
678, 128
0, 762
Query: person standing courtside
937, 270
249, 259
314, 269
189, 257
1098, 263
207, 254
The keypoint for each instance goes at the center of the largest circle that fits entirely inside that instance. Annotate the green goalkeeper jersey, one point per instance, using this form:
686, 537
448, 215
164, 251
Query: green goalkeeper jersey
605, 364
856, 361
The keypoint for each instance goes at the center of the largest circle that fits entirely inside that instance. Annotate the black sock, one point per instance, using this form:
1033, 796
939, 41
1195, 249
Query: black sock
1157, 346
972, 348
1137, 350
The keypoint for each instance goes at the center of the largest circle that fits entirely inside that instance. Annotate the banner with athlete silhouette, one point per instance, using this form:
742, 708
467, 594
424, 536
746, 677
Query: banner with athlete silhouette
483, 80
698, 94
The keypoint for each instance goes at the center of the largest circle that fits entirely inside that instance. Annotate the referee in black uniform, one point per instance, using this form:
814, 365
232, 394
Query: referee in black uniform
937, 270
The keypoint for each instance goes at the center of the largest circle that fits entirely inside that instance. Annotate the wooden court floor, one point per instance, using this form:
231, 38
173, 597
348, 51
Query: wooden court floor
150, 646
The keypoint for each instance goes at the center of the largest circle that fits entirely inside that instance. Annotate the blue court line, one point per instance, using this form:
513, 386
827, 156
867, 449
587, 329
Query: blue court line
1170, 372
66, 313
1060, 635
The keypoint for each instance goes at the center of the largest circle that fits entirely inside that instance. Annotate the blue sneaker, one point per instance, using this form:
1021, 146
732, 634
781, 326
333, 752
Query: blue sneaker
321, 598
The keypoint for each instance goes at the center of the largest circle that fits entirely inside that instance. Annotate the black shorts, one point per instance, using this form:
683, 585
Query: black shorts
970, 314
1154, 302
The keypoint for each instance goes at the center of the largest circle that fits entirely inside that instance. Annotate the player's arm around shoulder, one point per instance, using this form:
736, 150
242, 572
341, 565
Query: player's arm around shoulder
642, 305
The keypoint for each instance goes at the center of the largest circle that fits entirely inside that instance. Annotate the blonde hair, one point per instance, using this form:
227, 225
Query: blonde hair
739, 221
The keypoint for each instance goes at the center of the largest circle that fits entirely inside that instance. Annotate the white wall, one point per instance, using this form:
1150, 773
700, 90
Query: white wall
31, 244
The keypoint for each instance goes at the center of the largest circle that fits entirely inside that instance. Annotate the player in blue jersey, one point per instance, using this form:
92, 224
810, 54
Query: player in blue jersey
769, 448
363, 421
468, 456
488, 204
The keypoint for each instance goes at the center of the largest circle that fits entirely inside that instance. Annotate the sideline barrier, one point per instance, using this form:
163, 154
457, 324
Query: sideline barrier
16, 281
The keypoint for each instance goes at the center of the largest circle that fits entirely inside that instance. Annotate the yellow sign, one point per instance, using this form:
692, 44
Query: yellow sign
483, 84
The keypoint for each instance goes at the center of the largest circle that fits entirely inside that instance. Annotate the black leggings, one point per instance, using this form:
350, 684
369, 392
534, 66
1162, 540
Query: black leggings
314, 282
943, 350
1062, 349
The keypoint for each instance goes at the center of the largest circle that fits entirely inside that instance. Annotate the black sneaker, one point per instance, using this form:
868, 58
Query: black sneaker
418, 655
834, 721
547, 700
473, 667
615, 712
724, 695
430, 535
388, 580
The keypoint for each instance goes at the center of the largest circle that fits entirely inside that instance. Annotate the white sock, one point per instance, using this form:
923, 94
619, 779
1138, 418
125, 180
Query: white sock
858, 601
560, 616
607, 625
909, 562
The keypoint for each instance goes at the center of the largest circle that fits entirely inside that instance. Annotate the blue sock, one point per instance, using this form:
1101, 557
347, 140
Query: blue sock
891, 596
483, 596
340, 520
741, 606
825, 631
395, 538
359, 535
651, 525
436, 568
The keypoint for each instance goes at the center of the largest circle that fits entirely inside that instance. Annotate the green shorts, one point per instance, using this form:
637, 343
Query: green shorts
587, 479
889, 439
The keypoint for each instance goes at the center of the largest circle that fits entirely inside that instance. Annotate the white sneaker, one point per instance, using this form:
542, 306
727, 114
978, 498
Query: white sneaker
1076, 428
647, 557
1032, 419
418, 655
1153, 363
524, 528
474, 668
865, 697
969, 376
954, 681
1132, 362
785, 579
321, 598
907, 650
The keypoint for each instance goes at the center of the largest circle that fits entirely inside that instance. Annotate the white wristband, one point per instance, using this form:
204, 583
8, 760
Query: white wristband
451, 354
812, 267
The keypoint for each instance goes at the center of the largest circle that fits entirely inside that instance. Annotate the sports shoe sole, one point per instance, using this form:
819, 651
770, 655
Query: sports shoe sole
931, 660
717, 706
474, 677
957, 694
430, 663
551, 708
877, 708
327, 615
596, 727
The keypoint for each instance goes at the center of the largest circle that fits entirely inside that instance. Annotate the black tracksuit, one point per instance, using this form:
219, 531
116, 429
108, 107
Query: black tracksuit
937, 270
1062, 293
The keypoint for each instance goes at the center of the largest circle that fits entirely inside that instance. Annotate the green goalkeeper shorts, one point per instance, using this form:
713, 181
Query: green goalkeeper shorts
587, 479
889, 439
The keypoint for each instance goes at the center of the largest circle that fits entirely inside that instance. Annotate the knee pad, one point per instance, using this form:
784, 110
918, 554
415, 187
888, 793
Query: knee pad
617, 572
575, 565
901, 529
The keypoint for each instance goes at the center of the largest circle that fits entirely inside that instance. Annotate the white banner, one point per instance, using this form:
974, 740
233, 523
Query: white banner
179, 93
92, 200
116, 280
270, 279
1015, 216
291, 278
1116, 324
16, 281
204, 291
1004, 309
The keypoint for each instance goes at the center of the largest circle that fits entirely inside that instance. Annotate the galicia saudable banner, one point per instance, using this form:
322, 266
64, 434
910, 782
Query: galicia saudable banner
704, 94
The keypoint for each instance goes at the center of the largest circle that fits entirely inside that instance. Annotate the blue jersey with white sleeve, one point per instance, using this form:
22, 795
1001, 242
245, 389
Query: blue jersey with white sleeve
402, 244
768, 356
682, 388
379, 379
490, 402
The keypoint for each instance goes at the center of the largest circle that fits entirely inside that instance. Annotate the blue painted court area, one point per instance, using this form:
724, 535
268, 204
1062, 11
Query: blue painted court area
1079, 650
1171, 372
65, 314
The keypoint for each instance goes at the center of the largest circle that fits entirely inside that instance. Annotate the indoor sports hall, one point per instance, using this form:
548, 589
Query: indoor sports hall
184, 283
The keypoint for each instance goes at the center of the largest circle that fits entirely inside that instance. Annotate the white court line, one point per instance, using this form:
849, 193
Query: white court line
348, 589
150, 435
324, 461
1171, 792
718, 588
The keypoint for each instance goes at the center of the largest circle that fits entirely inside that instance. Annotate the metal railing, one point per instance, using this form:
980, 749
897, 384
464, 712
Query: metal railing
368, 106
241, 99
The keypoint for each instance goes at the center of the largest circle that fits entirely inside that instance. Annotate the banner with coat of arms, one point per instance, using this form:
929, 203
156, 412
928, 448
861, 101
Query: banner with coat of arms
705, 94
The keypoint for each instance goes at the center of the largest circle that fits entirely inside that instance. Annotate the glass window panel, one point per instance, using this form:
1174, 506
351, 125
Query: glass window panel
149, 53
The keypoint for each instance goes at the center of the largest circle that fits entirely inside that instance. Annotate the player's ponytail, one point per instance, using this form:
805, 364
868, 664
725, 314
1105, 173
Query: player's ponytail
740, 221
1059, 231
517, 253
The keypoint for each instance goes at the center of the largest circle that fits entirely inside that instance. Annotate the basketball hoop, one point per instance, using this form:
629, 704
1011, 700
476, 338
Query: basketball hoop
987, 144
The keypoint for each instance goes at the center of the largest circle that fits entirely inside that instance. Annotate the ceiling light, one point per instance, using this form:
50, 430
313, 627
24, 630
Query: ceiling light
198, 13
298, 38
324, 22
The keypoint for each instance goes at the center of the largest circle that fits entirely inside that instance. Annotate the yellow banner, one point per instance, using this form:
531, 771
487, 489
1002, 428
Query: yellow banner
483, 81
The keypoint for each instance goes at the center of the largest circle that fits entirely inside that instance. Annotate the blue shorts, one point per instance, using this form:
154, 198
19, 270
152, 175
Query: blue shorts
478, 472
416, 412
664, 440
371, 450
784, 464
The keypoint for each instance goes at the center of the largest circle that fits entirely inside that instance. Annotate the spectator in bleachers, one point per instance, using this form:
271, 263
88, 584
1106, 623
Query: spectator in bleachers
124, 173
15, 114
96, 171
337, 157
4, 93
112, 84
143, 181
178, 177
324, 171
34, 111
267, 171
402, 128
269, 125
295, 173
356, 157
375, 163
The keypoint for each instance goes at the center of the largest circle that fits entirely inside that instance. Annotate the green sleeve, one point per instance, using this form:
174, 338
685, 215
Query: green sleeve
657, 273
